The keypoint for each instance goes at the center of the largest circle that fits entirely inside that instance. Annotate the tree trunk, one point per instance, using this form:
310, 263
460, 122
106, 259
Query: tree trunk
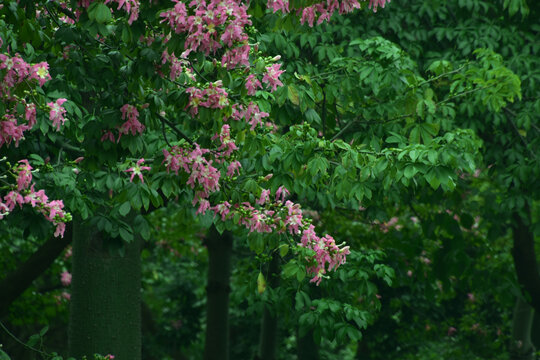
525, 258
105, 313
307, 349
217, 311
362, 351
15, 283
269, 324
522, 347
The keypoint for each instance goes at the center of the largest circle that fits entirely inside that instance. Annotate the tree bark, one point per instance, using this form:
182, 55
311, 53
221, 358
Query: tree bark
15, 283
307, 349
269, 323
524, 256
522, 347
217, 310
105, 313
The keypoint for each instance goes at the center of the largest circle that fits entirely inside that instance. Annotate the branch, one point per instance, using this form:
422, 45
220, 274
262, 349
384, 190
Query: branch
15, 283
349, 124
176, 130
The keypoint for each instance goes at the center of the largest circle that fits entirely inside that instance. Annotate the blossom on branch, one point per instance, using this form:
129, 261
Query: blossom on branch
271, 77
137, 170
56, 113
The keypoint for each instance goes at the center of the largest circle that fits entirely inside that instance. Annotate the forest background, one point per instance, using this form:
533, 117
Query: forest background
358, 188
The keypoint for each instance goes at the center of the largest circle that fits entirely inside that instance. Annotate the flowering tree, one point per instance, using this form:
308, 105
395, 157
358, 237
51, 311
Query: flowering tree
130, 105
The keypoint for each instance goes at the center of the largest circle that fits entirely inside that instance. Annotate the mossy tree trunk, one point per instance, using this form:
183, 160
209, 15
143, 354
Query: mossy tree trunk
522, 347
105, 313
218, 289
269, 323
307, 349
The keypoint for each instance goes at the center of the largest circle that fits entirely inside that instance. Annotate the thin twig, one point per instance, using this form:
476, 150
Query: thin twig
164, 134
442, 75
20, 342
463, 94
343, 130
176, 130
523, 140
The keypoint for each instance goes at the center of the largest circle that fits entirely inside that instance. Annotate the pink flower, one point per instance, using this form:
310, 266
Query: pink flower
24, 177
223, 209
451, 331
265, 197
132, 124
131, 7
107, 135
373, 4
65, 278
4, 211
57, 112
282, 192
40, 72
252, 84
233, 167
30, 114
137, 170
13, 198
271, 78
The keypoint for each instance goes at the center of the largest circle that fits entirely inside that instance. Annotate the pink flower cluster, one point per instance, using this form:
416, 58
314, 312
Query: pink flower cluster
203, 177
130, 6
271, 78
281, 216
177, 65
213, 97
14, 71
211, 25
132, 124
252, 84
328, 255
251, 114
56, 113
25, 194
227, 146
65, 278
323, 11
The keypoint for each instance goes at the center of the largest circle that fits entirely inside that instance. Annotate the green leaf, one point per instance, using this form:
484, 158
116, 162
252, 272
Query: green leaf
410, 171
299, 301
124, 208
125, 233
101, 14
44, 330
4, 356
293, 94
283, 250
290, 269
432, 179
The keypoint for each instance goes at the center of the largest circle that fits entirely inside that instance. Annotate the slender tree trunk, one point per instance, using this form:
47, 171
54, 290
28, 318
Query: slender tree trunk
522, 347
15, 283
105, 314
217, 311
362, 352
525, 257
307, 349
269, 324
